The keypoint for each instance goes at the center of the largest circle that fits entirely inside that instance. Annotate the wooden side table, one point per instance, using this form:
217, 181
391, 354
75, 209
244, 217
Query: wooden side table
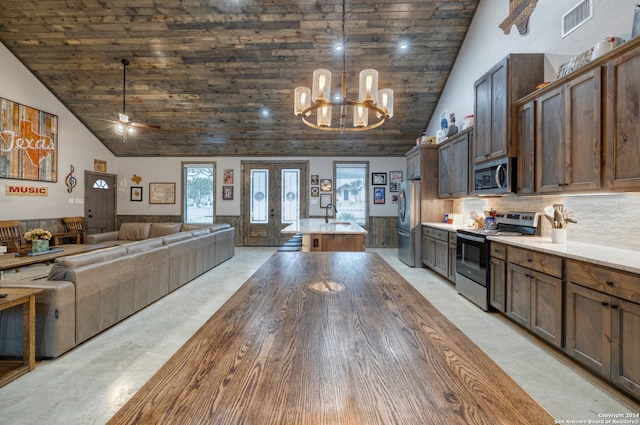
13, 369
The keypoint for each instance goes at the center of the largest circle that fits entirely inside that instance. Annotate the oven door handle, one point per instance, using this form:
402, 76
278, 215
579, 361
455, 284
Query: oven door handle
471, 238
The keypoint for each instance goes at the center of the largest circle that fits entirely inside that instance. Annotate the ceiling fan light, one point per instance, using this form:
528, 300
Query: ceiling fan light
131, 131
385, 102
368, 86
321, 85
119, 129
302, 100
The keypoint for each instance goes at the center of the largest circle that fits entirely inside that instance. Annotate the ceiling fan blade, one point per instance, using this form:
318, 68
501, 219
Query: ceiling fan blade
103, 120
139, 125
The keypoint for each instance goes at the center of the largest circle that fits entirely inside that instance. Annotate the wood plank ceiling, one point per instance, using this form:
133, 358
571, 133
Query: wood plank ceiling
205, 70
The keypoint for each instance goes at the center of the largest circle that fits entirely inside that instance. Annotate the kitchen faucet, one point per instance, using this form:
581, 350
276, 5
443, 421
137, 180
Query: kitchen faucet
326, 212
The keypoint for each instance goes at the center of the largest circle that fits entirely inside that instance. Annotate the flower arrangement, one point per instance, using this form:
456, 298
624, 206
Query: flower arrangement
36, 234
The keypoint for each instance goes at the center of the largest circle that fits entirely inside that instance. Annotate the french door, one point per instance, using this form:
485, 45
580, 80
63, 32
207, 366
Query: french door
274, 196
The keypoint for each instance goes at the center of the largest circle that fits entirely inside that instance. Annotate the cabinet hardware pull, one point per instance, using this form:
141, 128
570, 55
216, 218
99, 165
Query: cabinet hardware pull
614, 307
624, 138
529, 259
609, 283
605, 304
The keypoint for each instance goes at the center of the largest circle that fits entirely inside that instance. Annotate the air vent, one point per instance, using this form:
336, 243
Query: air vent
577, 16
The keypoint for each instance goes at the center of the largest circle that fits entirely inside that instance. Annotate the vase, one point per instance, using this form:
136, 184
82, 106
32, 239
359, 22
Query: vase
39, 245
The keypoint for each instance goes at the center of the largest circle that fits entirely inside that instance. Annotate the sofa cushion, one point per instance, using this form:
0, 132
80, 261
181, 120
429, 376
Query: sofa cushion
163, 229
143, 246
134, 231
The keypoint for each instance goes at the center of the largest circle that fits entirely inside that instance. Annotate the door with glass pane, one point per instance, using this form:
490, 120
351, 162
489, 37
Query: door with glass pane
274, 196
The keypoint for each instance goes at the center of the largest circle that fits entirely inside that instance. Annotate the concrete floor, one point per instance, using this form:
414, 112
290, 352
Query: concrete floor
90, 383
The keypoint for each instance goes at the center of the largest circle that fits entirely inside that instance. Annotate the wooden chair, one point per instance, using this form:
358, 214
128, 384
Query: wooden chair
11, 236
74, 228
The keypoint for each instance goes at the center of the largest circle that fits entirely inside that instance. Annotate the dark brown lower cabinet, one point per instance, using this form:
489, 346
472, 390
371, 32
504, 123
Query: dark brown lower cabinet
534, 300
603, 333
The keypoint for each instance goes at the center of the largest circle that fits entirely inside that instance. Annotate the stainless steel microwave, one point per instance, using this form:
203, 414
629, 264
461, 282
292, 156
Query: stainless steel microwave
495, 177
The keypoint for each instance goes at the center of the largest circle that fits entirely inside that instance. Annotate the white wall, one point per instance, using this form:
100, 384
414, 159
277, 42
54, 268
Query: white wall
486, 44
76, 146
169, 170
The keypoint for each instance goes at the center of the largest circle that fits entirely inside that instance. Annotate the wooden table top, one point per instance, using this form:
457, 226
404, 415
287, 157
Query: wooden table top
10, 261
16, 296
329, 338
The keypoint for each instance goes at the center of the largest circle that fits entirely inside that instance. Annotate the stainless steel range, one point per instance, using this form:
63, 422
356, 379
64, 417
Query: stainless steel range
473, 254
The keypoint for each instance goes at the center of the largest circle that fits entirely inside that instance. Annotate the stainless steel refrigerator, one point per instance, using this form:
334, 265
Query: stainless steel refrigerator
409, 224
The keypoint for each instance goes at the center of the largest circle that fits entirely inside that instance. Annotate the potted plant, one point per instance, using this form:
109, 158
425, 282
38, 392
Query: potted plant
39, 239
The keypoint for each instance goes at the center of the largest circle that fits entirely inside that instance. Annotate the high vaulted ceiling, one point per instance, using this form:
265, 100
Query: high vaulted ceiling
205, 70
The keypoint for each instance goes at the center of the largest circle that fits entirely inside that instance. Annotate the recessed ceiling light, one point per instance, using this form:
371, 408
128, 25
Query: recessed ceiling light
338, 47
404, 45
264, 112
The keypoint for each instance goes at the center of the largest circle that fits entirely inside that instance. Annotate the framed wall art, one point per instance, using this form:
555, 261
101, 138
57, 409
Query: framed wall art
325, 185
379, 179
315, 192
228, 176
37, 160
227, 193
162, 193
136, 194
315, 179
395, 176
378, 195
325, 199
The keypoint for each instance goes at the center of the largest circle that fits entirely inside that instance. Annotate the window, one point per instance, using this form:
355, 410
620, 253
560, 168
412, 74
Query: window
290, 202
259, 196
101, 184
198, 182
351, 191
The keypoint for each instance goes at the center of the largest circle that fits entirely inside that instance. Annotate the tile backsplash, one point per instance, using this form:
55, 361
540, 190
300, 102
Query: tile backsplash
603, 219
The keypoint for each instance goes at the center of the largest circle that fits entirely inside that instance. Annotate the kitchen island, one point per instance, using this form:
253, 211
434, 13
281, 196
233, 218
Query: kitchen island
334, 235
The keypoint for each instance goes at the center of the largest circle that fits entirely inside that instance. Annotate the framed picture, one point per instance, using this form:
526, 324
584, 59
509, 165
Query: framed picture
325, 185
315, 192
394, 186
378, 195
162, 193
227, 193
395, 176
315, 179
394, 199
379, 179
136, 193
100, 165
325, 199
228, 176
28, 143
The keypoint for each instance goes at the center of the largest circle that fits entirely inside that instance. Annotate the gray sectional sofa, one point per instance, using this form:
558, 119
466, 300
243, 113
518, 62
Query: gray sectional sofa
87, 293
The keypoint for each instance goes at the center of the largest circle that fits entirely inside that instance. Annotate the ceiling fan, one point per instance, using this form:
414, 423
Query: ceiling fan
123, 126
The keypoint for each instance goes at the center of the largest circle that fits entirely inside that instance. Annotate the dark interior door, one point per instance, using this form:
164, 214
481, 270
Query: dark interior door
100, 201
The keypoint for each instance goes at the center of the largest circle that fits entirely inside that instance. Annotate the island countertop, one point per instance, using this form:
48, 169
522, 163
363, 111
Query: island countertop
318, 226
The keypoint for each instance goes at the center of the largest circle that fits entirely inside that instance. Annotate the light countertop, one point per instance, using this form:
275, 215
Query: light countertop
318, 225
616, 258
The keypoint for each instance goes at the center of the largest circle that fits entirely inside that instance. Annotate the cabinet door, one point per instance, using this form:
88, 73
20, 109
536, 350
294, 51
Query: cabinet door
526, 148
588, 328
460, 165
546, 307
498, 285
441, 263
428, 252
453, 249
491, 113
519, 294
482, 118
445, 163
625, 345
622, 131
550, 140
583, 142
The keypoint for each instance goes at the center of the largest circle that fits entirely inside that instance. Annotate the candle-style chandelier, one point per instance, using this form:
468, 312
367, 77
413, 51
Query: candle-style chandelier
370, 98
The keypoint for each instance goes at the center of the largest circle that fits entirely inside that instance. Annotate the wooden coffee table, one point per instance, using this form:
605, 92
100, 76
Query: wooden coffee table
26, 297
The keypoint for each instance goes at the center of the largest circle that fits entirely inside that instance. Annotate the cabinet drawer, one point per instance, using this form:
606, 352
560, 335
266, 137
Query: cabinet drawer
432, 232
613, 282
498, 250
538, 261
453, 239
